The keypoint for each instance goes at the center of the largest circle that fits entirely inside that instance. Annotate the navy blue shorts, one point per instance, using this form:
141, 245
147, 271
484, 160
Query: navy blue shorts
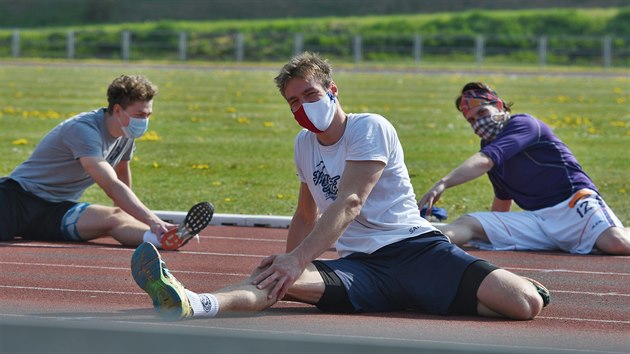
423, 273
26, 215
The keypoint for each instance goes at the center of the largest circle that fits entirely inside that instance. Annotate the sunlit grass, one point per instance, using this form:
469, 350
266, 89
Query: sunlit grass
227, 135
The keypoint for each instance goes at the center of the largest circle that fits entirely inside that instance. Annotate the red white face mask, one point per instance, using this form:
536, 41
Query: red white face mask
317, 116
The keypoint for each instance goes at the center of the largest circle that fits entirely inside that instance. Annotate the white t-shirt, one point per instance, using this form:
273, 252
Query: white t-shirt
390, 213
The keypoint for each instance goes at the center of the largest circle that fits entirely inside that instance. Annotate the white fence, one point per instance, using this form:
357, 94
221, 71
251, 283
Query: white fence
607, 51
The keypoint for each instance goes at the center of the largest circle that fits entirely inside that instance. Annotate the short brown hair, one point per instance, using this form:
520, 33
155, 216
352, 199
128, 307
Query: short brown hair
127, 89
306, 66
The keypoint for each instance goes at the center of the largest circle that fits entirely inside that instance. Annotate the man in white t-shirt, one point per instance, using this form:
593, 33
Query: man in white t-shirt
40, 198
355, 193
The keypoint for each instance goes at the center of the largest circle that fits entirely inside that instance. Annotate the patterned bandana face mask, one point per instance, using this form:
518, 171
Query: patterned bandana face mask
489, 126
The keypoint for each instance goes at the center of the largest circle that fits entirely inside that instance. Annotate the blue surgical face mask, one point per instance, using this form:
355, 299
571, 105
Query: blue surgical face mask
136, 128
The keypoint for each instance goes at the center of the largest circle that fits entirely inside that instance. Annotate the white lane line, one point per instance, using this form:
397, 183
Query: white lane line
566, 271
243, 238
47, 265
109, 248
263, 256
589, 293
37, 288
576, 319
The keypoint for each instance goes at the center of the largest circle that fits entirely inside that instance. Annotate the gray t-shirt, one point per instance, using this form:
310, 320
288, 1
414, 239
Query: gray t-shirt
53, 171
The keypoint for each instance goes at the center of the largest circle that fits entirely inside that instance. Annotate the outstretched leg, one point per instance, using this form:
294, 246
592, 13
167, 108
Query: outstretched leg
463, 230
615, 240
98, 221
172, 301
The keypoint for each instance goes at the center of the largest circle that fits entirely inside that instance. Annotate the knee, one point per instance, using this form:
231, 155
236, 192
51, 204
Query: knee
615, 240
530, 304
509, 295
463, 229
116, 217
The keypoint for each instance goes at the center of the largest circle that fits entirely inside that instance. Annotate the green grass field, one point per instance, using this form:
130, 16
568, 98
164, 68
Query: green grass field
227, 135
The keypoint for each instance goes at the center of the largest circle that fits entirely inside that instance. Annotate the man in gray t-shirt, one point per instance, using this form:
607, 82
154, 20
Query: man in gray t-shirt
40, 198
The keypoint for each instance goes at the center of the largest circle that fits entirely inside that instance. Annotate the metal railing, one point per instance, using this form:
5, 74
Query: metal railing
607, 51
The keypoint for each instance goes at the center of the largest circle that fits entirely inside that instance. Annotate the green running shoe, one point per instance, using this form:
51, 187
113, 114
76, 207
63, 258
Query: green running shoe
542, 291
150, 273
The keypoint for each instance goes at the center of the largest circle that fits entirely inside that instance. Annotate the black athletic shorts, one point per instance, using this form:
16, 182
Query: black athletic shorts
424, 273
26, 215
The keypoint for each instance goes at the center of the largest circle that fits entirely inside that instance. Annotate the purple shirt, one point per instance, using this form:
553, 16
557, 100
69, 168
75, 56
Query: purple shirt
532, 166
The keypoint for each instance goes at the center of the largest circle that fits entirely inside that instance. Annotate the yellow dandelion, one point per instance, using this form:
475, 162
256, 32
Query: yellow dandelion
622, 191
227, 200
279, 196
21, 141
242, 120
52, 114
238, 94
562, 99
230, 110
621, 100
268, 124
155, 164
617, 124
203, 166
592, 130
217, 183
617, 90
151, 135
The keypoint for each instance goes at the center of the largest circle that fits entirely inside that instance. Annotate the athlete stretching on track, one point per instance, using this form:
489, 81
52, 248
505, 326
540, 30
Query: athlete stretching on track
527, 164
39, 199
355, 192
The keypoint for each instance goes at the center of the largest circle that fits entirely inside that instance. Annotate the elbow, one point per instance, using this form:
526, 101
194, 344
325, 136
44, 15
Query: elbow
353, 205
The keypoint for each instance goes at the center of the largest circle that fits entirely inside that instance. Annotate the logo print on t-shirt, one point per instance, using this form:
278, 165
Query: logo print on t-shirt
328, 183
116, 152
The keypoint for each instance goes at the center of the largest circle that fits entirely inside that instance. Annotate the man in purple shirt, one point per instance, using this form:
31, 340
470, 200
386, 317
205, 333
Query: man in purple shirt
528, 164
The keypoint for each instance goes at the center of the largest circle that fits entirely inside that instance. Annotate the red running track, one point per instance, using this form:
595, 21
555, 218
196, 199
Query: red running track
45, 286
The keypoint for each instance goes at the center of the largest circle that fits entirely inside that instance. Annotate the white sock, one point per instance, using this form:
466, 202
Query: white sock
204, 305
151, 238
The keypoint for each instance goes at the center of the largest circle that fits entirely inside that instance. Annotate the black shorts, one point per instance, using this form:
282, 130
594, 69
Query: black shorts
26, 215
425, 273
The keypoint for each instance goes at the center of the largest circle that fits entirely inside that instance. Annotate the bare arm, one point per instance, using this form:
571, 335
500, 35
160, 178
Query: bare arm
107, 178
501, 204
473, 167
303, 220
357, 181
123, 172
